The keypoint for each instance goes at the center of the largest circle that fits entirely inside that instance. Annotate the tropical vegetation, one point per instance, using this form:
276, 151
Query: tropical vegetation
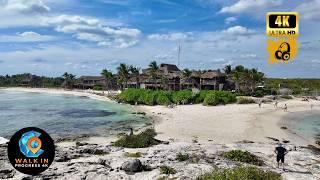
160, 97
243, 173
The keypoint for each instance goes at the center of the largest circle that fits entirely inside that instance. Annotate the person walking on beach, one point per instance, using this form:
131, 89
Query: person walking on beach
281, 152
285, 109
276, 104
260, 102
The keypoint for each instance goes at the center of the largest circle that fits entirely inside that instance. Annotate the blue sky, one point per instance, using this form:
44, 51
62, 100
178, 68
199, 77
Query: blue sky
50, 37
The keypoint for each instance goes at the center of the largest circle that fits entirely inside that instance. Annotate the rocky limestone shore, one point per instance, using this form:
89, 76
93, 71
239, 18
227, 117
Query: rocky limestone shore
92, 161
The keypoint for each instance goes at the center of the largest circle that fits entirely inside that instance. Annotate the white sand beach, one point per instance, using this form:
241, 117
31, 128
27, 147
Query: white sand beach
216, 129
229, 123
215, 124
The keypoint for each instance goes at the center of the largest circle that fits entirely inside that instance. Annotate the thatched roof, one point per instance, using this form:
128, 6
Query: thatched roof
169, 67
92, 78
212, 74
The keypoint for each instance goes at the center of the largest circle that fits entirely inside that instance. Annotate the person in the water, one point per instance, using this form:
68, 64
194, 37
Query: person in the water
281, 152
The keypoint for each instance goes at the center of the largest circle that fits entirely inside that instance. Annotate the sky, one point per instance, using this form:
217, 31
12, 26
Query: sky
50, 37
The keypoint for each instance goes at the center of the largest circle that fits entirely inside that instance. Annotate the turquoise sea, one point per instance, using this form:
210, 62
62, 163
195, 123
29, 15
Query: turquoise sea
305, 124
63, 115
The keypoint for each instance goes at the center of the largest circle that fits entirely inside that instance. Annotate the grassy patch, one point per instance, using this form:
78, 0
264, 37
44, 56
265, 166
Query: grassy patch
286, 97
243, 100
141, 140
133, 155
243, 156
167, 170
182, 157
241, 173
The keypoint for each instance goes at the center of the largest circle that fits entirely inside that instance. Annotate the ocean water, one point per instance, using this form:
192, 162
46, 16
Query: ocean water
63, 115
306, 124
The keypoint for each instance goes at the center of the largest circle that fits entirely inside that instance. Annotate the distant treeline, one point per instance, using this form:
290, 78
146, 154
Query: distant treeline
298, 86
30, 81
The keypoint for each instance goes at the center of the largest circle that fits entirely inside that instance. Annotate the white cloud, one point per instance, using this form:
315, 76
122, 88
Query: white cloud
230, 20
26, 6
26, 37
309, 10
250, 5
171, 36
90, 29
238, 30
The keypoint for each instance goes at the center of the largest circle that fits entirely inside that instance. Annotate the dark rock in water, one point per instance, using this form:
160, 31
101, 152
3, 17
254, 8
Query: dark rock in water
285, 141
132, 166
141, 113
274, 139
283, 127
6, 173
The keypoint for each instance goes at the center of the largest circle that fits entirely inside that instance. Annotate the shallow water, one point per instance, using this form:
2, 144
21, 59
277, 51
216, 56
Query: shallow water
63, 115
306, 124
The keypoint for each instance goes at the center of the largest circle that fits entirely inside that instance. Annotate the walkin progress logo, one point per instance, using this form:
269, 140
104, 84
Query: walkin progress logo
31, 151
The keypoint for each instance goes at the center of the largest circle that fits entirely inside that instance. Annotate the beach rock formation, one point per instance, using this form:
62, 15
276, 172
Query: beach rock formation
78, 162
132, 166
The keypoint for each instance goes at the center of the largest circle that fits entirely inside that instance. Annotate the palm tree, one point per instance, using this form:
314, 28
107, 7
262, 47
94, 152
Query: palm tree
228, 69
123, 75
153, 71
186, 75
236, 76
135, 71
108, 76
68, 80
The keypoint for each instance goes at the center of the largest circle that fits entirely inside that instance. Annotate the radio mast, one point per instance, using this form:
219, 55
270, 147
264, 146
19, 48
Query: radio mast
179, 52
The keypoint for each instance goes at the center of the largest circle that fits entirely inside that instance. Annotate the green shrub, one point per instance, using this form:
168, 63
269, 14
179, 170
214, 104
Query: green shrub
286, 97
167, 170
243, 100
214, 98
163, 98
141, 140
151, 97
259, 93
134, 155
130, 96
182, 97
97, 87
182, 157
241, 173
211, 100
243, 156
199, 98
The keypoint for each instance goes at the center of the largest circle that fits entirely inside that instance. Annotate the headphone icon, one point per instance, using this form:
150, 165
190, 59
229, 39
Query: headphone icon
281, 54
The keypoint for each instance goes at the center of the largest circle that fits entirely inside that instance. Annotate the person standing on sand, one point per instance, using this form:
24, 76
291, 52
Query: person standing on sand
285, 109
260, 102
281, 152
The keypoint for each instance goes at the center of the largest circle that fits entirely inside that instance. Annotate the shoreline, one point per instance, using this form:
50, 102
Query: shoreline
96, 157
219, 124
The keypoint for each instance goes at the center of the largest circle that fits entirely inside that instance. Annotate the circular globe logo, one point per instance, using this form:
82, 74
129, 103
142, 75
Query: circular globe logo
31, 150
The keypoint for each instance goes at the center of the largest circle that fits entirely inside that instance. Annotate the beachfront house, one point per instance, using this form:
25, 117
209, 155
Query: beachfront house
89, 82
212, 80
170, 77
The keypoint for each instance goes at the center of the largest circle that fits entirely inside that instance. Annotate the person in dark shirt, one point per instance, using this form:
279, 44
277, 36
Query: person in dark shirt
281, 152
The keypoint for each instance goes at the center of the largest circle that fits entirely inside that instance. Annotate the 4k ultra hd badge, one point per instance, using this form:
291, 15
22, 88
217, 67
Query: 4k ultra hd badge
31, 150
282, 28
